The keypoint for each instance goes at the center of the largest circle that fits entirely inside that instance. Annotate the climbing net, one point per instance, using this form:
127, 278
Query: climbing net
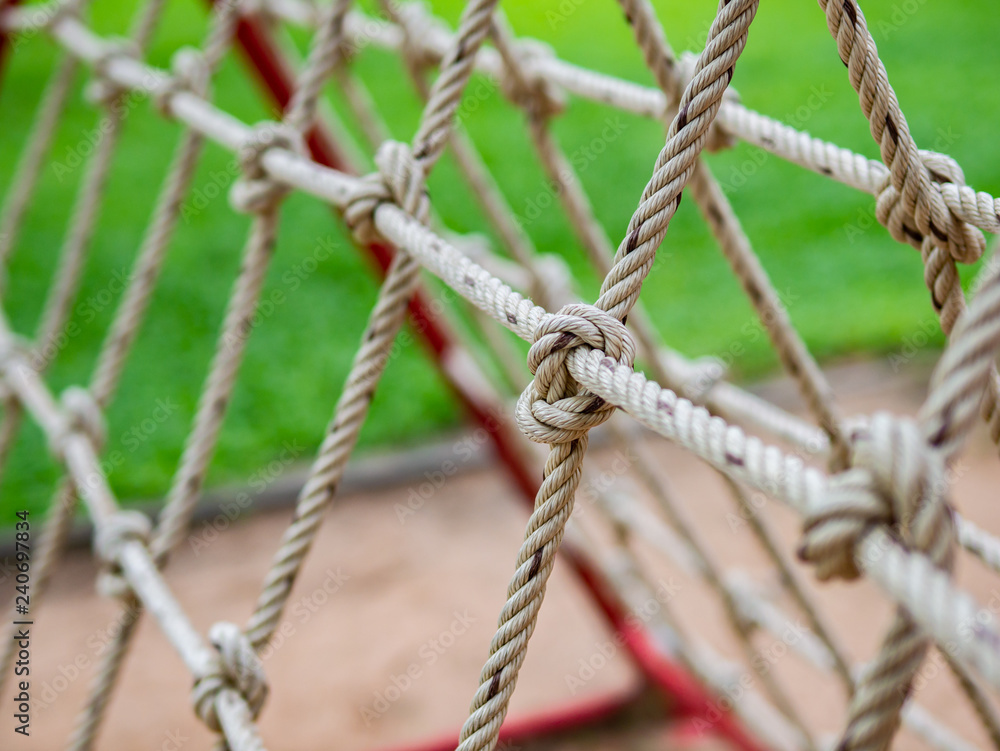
873, 492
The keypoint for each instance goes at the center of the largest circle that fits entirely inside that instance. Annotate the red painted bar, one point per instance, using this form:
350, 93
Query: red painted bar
683, 693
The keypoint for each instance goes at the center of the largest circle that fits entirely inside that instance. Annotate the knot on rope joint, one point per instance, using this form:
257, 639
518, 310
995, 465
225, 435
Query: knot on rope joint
399, 178
896, 480
236, 666
527, 86
101, 90
189, 71
918, 212
82, 416
110, 539
554, 408
255, 191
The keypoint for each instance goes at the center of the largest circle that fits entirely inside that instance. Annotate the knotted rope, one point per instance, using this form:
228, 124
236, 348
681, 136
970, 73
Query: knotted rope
237, 667
568, 422
913, 209
399, 179
898, 481
895, 472
109, 540
255, 192
83, 417
553, 409
189, 71
524, 84
103, 90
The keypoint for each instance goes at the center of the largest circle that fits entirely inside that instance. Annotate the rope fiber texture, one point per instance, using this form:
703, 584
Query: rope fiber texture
882, 508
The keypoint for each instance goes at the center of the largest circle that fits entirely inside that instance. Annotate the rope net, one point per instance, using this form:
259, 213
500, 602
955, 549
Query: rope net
873, 493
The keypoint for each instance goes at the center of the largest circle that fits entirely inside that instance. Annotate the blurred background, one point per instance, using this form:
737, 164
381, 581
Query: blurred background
404, 582
850, 289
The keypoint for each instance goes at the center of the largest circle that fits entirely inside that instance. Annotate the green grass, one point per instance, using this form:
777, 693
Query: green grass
847, 294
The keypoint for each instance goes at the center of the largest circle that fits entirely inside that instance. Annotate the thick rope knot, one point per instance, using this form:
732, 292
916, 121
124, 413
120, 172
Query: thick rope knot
553, 409
237, 667
189, 71
527, 86
255, 192
911, 214
109, 540
102, 91
896, 480
399, 179
718, 137
83, 416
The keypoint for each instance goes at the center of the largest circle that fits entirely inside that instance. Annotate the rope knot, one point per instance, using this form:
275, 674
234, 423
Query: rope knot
919, 209
895, 479
102, 90
398, 179
553, 408
189, 71
527, 86
237, 667
109, 540
718, 137
255, 191
82, 415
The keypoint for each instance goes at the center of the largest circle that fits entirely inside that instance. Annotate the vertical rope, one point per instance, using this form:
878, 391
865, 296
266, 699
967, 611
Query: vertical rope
619, 292
384, 323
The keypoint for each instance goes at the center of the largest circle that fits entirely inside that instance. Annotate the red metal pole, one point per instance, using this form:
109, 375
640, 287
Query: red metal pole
684, 693
5, 45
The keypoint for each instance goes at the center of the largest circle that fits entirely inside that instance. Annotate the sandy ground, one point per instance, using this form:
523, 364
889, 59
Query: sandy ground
392, 617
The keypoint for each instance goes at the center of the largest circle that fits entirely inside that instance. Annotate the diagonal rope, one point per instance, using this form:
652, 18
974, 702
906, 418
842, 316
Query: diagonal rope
559, 413
384, 323
582, 364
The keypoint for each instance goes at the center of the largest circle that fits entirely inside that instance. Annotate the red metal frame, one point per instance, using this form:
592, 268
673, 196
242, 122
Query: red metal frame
5, 38
683, 695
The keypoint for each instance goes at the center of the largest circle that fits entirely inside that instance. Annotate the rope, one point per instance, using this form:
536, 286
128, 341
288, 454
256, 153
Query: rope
882, 511
400, 179
554, 409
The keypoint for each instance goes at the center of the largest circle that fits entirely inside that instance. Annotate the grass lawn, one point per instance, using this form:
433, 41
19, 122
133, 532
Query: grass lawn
849, 287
